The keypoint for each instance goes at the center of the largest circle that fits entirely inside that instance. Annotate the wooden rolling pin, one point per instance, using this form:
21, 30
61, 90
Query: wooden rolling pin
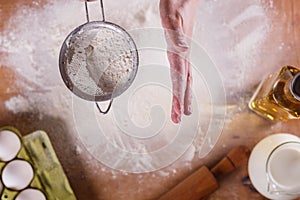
203, 182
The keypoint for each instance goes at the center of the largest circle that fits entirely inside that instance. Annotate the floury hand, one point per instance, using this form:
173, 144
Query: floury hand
178, 20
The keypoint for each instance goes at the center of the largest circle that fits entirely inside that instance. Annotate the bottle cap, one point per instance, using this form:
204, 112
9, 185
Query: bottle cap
296, 86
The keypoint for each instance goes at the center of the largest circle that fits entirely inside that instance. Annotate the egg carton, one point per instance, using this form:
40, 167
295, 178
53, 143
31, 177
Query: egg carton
48, 180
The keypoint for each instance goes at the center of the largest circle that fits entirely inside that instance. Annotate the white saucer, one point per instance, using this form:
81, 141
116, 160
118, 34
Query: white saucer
258, 160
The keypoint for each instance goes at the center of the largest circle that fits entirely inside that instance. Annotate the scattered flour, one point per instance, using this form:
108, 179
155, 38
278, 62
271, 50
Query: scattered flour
33, 52
34, 55
18, 104
234, 39
32, 39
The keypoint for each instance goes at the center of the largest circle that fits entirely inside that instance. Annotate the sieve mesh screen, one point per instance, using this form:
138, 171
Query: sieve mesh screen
98, 59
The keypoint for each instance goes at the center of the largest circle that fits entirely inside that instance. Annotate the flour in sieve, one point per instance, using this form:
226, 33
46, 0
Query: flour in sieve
100, 61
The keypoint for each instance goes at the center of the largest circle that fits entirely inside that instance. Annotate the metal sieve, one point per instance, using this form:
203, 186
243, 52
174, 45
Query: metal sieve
80, 77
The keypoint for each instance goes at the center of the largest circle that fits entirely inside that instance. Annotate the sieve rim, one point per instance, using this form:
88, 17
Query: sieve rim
63, 60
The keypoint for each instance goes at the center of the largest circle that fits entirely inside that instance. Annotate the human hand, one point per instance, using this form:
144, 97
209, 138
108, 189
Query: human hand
178, 21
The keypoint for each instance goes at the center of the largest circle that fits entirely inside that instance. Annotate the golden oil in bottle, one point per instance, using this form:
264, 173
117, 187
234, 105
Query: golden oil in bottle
278, 96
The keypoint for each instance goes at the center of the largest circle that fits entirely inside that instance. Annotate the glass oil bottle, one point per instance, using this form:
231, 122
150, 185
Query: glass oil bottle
278, 96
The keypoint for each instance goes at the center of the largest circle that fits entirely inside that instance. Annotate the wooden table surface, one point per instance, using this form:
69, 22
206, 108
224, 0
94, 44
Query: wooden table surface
245, 128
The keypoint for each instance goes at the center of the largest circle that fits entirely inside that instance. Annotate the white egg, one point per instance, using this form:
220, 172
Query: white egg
31, 194
10, 145
17, 174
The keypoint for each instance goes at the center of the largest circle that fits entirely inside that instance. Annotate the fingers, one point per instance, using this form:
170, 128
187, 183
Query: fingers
176, 110
182, 86
188, 10
188, 91
179, 80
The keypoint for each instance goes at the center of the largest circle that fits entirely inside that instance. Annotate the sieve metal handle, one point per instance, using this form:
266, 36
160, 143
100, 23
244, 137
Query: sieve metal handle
87, 11
108, 108
102, 10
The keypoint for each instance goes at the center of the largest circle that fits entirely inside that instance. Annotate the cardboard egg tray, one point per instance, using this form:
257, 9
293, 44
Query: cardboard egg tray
49, 176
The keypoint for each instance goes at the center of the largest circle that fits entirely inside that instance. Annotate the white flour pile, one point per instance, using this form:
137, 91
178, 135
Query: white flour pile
100, 57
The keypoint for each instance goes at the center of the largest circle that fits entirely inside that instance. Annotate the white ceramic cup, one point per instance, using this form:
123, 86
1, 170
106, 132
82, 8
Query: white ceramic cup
283, 169
274, 166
